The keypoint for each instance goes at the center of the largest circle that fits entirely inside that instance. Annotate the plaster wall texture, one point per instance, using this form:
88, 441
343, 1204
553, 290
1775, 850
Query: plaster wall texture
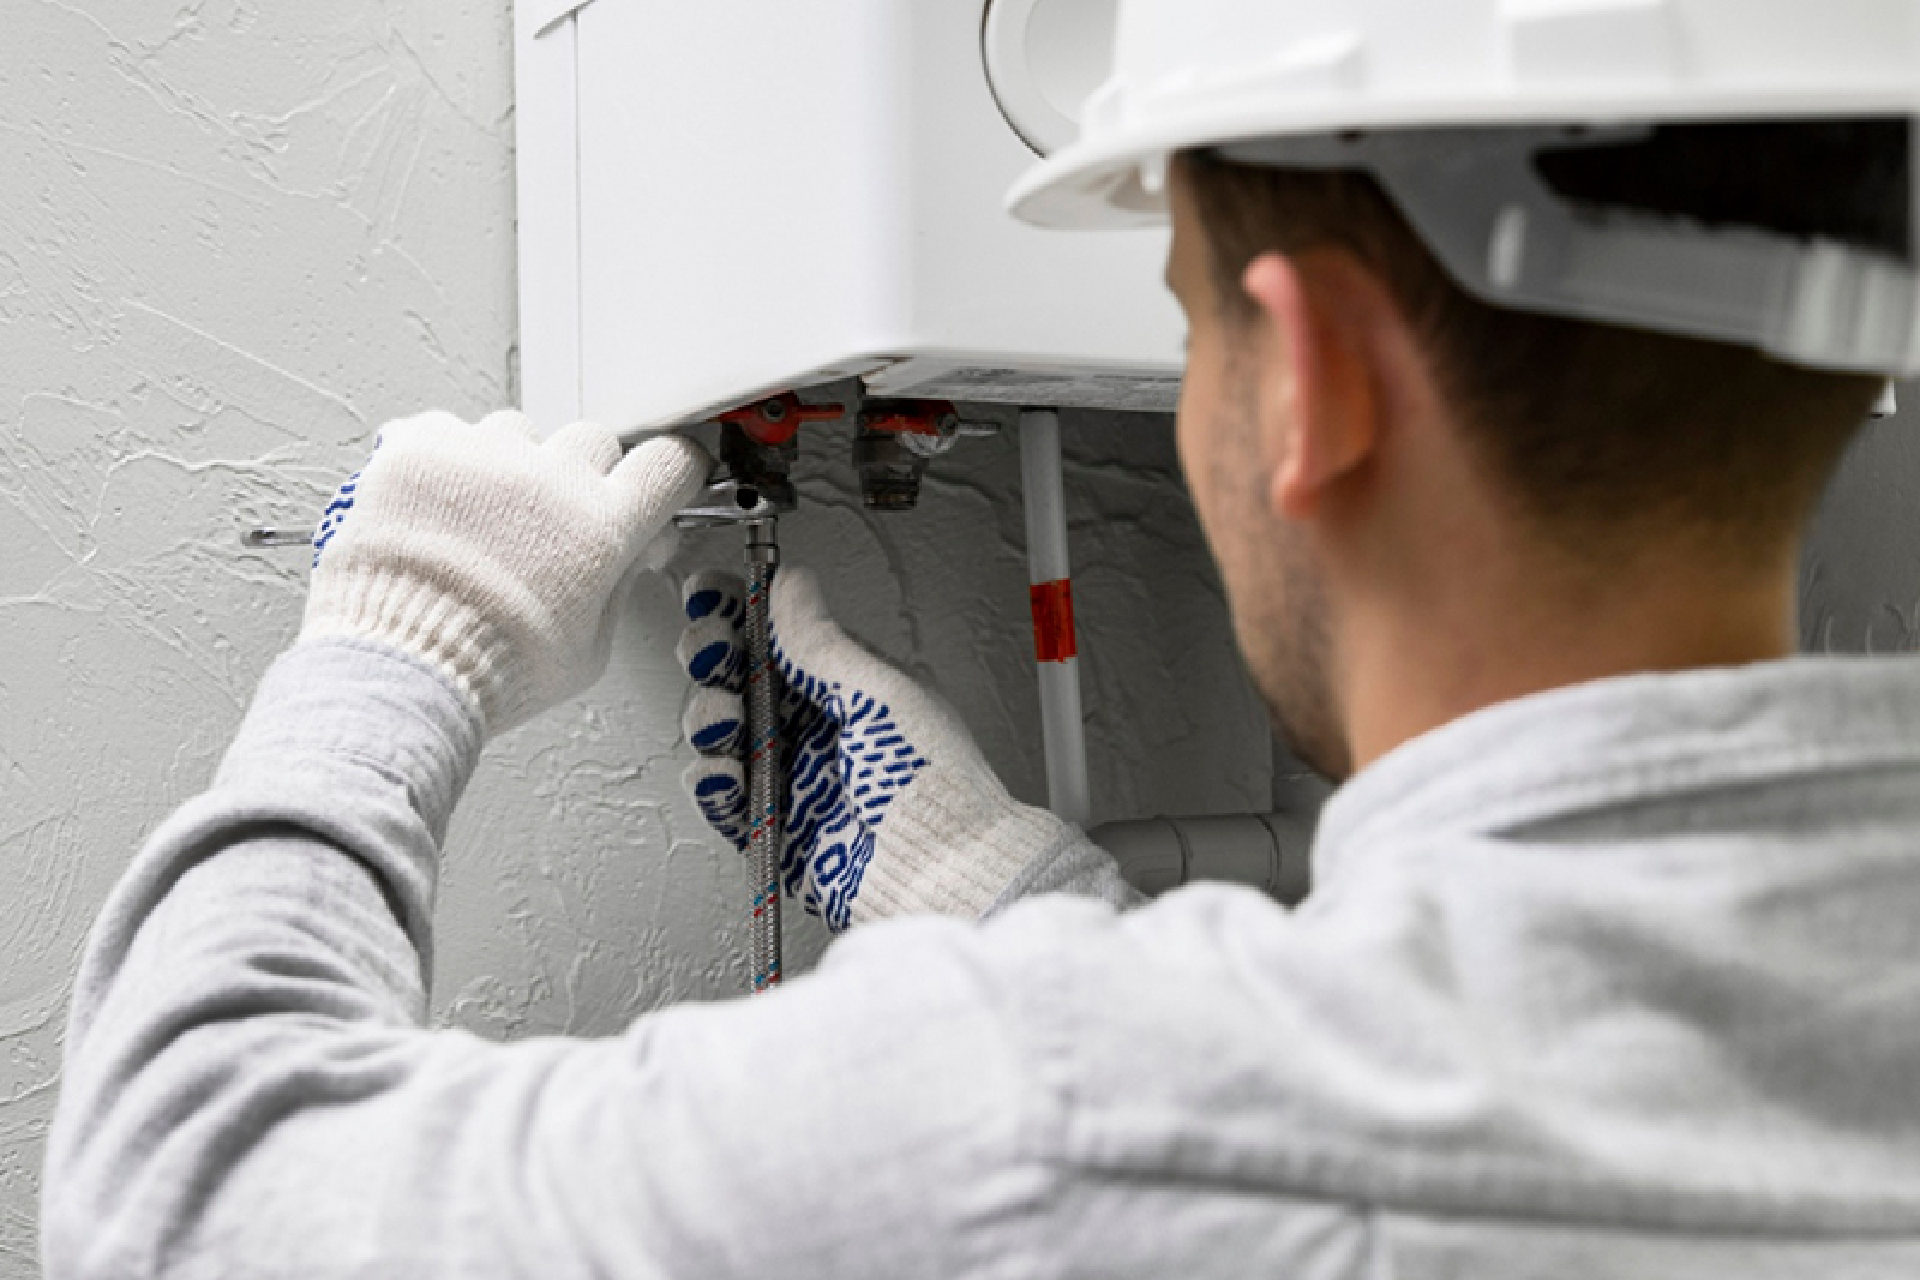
234, 238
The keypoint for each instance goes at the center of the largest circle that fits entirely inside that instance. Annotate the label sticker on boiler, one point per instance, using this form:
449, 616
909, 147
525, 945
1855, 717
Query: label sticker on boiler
1072, 389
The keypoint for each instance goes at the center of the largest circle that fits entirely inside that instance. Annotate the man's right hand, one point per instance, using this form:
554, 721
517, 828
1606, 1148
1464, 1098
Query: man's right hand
889, 806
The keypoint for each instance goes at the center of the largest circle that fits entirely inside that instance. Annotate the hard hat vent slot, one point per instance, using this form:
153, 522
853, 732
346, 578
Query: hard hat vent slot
1597, 42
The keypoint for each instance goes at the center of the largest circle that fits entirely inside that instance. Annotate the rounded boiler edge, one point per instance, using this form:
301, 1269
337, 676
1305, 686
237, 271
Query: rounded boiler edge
1043, 58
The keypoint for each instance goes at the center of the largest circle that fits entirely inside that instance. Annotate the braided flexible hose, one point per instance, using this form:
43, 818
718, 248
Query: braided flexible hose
763, 760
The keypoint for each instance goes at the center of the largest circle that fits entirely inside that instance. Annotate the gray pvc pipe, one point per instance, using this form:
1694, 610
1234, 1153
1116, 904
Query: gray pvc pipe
1267, 851
1063, 733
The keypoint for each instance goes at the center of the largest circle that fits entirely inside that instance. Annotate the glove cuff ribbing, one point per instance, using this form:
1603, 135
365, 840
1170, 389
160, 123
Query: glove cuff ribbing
952, 844
401, 610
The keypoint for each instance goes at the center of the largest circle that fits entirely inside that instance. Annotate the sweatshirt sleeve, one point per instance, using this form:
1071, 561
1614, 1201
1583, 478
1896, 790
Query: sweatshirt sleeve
250, 1090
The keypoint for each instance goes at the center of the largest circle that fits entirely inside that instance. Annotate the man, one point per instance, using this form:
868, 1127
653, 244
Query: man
1610, 968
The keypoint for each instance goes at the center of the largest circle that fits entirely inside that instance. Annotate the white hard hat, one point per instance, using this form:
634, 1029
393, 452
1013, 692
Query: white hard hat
1447, 102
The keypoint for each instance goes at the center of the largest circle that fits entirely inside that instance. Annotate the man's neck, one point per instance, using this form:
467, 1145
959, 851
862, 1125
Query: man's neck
1507, 633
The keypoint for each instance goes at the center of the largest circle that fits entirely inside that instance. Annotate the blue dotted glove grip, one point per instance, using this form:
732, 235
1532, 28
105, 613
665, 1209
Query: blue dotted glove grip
845, 756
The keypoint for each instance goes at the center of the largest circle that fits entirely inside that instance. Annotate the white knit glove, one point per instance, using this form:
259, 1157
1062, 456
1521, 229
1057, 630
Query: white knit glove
889, 807
492, 556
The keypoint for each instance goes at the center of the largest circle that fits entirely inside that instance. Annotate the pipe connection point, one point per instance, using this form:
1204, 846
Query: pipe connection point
763, 542
896, 441
889, 472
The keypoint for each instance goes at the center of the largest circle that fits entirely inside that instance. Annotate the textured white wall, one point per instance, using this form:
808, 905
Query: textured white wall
235, 237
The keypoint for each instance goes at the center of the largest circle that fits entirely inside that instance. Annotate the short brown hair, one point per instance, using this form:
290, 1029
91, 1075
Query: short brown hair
1598, 430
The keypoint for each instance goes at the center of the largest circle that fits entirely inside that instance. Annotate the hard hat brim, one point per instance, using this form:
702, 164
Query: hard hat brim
1097, 183
1091, 187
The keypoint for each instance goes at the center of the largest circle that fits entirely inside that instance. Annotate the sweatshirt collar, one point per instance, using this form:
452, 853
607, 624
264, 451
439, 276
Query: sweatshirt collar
1628, 739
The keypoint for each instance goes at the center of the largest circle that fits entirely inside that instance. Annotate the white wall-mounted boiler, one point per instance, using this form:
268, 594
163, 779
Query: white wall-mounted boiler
723, 199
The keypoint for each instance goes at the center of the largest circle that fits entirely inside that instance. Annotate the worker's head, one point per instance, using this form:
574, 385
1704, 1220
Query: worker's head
1365, 438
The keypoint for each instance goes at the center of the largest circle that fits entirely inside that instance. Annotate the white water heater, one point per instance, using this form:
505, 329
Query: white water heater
725, 199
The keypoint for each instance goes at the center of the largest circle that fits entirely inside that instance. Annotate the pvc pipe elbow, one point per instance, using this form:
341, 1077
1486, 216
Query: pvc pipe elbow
1269, 851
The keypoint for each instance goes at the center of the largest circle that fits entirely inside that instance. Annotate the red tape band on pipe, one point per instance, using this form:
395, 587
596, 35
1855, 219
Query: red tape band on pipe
1053, 621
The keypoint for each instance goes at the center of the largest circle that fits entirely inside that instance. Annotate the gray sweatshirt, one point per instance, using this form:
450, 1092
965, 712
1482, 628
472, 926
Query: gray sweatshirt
1618, 981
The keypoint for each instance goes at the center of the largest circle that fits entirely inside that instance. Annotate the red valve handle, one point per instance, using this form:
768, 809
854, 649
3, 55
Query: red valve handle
914, 417
776, 420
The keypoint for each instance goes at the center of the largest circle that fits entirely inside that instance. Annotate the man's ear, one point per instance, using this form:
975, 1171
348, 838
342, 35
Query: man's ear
1317, 402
